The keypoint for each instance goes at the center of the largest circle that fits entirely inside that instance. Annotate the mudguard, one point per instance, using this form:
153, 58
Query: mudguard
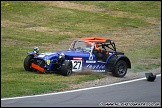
114, 59
31, 53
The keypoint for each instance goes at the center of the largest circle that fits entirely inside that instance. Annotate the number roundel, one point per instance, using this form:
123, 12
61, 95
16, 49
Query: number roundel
77, 65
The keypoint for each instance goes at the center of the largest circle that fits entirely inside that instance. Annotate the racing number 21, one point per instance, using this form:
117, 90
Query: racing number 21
77, 65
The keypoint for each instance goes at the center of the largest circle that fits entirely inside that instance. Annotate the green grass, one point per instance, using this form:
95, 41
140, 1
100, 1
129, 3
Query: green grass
27, 24
147, 8
145, 58
65, 19
31, 36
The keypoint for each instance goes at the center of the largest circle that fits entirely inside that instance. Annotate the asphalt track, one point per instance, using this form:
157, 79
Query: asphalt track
138, 92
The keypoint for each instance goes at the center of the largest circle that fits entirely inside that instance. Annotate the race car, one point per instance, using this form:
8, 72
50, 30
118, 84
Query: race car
94, 54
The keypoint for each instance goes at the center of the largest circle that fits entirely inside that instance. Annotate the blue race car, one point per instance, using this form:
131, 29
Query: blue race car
94, 53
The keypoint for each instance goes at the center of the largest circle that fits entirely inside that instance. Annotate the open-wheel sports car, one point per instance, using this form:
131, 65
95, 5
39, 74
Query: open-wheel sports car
94, 53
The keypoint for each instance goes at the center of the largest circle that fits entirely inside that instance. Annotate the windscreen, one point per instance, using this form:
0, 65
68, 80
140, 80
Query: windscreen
82, 46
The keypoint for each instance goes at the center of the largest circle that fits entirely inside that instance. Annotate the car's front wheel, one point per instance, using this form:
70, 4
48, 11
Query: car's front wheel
120, 69
27, 63
66, 68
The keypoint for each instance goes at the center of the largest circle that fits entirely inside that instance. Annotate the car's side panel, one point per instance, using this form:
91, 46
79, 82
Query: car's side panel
78, 60
110, 63
94, 65
85, 63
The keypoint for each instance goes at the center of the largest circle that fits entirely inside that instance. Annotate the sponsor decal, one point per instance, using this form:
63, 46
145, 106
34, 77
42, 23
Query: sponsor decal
41, 55
77, 58
98, 67
44, 54
90, 56
98, 70
48, 53
90, 61
48, 62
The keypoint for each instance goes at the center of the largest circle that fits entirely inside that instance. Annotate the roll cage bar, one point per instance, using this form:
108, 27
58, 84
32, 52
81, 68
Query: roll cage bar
102, 42
110, 45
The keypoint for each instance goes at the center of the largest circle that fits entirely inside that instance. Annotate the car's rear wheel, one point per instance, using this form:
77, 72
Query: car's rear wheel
66, 68
120, 69
27, 63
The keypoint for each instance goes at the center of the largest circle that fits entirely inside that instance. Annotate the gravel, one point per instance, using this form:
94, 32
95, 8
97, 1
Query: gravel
111, 79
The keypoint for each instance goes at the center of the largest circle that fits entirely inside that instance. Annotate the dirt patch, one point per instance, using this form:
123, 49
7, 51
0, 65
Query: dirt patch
14, 42
23, 26
7, 23
70, 5
43, 29
50, 31
136, 37
9, 42
152, 20
114, 13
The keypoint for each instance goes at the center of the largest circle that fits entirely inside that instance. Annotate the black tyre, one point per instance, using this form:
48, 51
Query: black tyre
27, 63
120, 69
66, 68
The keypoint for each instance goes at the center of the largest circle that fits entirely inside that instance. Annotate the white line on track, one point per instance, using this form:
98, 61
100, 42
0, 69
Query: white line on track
78, 89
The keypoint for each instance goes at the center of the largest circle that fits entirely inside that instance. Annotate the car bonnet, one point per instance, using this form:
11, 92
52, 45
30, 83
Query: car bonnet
67, 53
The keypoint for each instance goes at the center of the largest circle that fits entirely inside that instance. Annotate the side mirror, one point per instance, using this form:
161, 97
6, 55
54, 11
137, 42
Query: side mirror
150, 76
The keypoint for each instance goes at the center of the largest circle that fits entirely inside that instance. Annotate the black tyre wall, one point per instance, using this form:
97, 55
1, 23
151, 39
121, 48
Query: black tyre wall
27, 63
120, 69
66, 68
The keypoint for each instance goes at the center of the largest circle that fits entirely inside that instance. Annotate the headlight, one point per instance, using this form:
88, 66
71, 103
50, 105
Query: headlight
62, 56
36, 49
